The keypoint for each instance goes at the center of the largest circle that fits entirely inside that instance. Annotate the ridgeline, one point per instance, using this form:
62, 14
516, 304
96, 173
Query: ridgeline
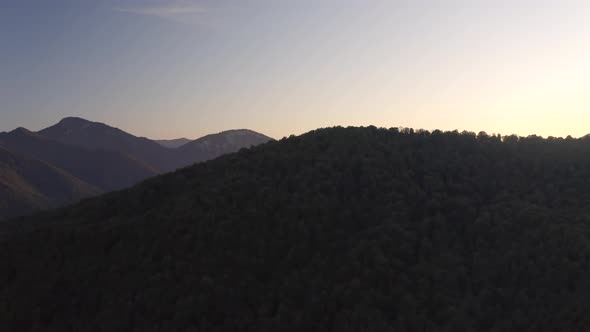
340, 229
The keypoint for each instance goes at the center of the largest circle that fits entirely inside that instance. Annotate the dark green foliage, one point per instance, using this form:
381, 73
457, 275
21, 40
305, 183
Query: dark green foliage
343, 229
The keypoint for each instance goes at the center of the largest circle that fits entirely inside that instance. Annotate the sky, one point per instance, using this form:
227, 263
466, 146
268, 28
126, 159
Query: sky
186, 68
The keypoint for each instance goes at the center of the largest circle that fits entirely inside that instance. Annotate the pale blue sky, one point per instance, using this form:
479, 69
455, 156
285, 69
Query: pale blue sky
166, 69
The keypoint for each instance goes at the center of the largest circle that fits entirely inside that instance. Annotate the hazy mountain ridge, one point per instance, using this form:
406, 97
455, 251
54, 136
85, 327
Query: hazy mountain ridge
343, 229
27, 185
80, 132
172, 143
214, 145
104, 157
96, 135
105, 169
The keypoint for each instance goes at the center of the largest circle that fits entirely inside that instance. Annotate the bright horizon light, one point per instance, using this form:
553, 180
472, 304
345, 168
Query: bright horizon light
170, 69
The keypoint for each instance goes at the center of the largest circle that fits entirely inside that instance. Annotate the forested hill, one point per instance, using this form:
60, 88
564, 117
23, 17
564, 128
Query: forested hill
341, 229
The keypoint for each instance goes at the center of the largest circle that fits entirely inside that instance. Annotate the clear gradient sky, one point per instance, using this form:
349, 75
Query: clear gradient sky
167, 68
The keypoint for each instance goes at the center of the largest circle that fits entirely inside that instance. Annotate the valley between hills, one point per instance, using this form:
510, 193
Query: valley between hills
76, 159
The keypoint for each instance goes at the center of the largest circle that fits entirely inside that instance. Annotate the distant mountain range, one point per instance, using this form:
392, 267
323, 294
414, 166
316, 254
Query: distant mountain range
212, 146
172, 143
77, 158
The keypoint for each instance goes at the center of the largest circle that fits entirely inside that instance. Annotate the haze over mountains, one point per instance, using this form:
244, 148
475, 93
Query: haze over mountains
94, 158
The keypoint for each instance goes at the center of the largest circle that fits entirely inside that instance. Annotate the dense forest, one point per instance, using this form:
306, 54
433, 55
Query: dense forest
340, 229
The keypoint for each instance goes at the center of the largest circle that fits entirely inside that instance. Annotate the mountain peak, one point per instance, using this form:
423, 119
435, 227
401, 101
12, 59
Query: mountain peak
96, 135
21, 131
76, 126
238, 131
231, 133
215, 145
75, 122
71, 119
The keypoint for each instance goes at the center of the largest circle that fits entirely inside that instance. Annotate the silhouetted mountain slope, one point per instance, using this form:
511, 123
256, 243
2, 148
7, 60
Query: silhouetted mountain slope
215, 145
172, 143
95, 135
357, 229
84, 133
107, 170
108, 158
27, 185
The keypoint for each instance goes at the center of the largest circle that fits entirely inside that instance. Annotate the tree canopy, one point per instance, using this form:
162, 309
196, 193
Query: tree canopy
340, 229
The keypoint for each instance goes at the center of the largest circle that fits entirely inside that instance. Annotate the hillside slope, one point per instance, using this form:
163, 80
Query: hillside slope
356, 229
96, 135
106, 170
173, 143
27, 185
215, 145
107, 158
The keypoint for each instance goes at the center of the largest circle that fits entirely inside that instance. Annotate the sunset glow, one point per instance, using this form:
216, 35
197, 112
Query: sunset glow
287, 67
